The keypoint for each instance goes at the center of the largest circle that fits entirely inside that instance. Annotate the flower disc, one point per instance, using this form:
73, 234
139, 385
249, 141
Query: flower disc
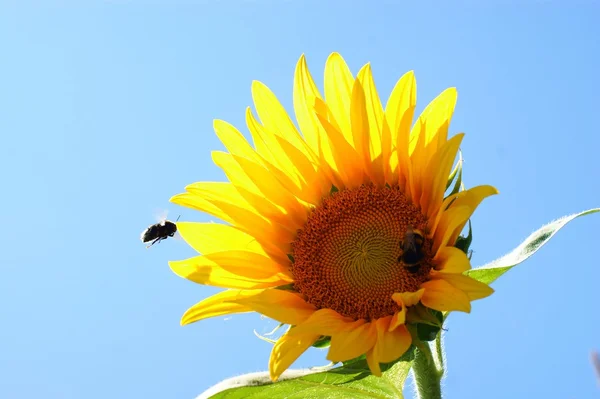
346, 257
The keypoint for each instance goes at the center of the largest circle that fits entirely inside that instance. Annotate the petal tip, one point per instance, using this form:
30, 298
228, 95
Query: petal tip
257, 85
176, 199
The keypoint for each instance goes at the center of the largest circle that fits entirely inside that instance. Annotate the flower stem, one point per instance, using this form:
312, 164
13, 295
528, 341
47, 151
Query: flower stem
439, 354
428, 376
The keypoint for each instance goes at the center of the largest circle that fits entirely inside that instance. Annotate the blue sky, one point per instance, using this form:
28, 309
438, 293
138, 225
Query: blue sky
106, 111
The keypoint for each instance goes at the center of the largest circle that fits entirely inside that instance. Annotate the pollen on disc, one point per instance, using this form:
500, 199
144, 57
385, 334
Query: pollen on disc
346, 255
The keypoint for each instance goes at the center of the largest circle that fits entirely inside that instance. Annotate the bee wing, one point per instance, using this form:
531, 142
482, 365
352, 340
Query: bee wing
161, 215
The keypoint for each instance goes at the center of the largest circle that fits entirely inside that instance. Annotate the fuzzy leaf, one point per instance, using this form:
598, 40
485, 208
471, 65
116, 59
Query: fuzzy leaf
491, 271
352, 380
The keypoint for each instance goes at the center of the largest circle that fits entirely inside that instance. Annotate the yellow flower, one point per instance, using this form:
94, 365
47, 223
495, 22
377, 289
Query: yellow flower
318, 221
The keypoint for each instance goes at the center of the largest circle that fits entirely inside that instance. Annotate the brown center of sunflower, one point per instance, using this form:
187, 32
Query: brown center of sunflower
349, 255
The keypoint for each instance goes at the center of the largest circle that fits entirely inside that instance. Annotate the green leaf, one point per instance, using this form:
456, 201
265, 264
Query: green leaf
457, 170
491, 271
352, 380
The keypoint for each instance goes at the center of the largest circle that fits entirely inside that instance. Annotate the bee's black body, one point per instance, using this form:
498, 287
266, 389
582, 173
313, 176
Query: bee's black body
158, 232
412, 249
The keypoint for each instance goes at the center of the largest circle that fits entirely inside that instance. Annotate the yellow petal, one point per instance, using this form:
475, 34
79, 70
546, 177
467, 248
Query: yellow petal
435, 119
380, 138
434, 221
356, 339
217, 305
473, 288
203, 270
305, 93
404, 299
286, 350
234, 141
190, 200
391, 344
349, 338
227, 200
284, 306
275, 118
471, 199
452, 260
313, 183
428, 134
399, 110
338, 84
359, 123
263, 142
373, 363
323, 322
224, 196
399, 113
246, 263
436, 177
267, 146
418, 166
272, 236
286, 162
348, 161
215, 237
408, 298
398, 319
218, 190
449, 221
256, 179
443, 296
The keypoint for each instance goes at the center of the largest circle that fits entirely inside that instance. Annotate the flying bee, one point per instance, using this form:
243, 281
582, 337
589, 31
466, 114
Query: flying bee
159, 231
412, 249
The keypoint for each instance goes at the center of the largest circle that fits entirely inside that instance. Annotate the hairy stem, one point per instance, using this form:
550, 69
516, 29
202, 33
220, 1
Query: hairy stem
427, 376
439, 354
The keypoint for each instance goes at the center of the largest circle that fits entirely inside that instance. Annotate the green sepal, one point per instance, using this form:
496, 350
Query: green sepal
491, 271
417, 342
426, 323
427, 332
333, 189
287, 287
457, 171
420, 314
350, 362
290, 257
463, 243
322, 342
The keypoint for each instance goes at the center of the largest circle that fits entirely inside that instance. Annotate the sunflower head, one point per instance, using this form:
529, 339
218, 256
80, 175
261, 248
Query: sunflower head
339, 226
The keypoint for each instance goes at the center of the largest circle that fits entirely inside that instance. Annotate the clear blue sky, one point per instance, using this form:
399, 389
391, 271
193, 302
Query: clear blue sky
106, 111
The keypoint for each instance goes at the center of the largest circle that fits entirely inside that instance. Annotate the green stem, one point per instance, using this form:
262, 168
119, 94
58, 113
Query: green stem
427, 376
440, 353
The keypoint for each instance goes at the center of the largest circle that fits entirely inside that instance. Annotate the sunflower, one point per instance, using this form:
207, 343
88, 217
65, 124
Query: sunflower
319, 224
